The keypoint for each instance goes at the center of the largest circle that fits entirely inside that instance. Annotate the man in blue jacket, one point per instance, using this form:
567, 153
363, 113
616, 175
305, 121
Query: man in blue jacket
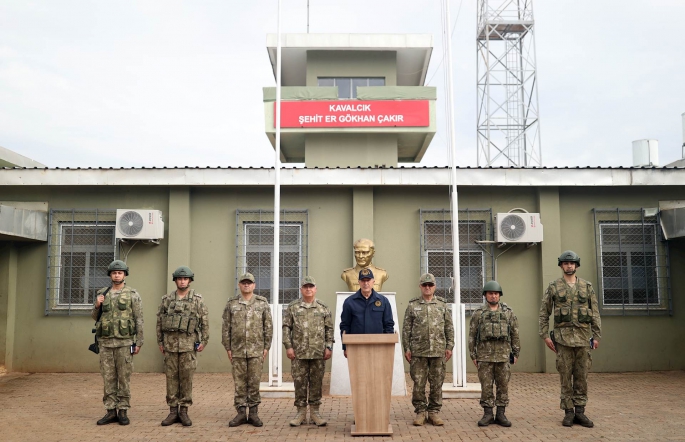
366, 311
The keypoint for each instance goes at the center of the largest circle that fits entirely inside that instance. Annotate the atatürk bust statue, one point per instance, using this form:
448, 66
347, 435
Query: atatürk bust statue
363, 254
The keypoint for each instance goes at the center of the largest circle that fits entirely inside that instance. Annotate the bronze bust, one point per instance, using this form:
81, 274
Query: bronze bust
363, 253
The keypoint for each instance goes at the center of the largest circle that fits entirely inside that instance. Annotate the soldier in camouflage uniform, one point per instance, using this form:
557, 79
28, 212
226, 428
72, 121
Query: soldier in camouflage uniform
493, 342
182, 330
308, 339
119, 330
246, 335
428, 339
577, 330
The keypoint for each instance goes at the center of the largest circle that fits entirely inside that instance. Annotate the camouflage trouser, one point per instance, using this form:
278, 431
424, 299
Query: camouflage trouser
247, 373
308, 373
116, 366
433, 371
179, 369
573, 365
497, 373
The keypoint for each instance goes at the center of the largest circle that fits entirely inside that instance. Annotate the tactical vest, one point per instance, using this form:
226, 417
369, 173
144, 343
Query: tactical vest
181, 315
117, 317
494, 326
570, 310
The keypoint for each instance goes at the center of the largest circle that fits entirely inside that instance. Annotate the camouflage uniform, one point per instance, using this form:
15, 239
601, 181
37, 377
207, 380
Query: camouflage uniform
308, 329
576, 320
427, 332
493, 337
180, 323
246, 332
120, 323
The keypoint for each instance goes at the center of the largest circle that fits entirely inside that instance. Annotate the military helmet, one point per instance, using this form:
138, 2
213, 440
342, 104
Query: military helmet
492, 286
569, 256
117, 264
183, 272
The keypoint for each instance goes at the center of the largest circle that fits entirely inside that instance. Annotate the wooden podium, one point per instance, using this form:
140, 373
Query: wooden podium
370, 360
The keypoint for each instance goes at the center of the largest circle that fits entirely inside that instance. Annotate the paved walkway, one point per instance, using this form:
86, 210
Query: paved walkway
64, 407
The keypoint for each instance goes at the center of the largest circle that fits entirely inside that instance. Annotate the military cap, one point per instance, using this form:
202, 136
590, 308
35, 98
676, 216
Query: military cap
308, 280
427, 278
246, 276
365, 274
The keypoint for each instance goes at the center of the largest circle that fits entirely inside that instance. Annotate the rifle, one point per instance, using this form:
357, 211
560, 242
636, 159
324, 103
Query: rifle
95, 347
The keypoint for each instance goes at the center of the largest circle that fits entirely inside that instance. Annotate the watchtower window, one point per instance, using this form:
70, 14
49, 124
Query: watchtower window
347, 86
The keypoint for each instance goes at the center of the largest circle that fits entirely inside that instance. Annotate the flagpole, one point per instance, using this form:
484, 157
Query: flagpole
459, 353
276, 370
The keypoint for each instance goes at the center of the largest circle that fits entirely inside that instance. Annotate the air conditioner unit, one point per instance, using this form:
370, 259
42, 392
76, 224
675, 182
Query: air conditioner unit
518, 227
139, 224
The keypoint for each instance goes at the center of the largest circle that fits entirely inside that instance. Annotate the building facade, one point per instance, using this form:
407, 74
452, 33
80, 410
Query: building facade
219, 221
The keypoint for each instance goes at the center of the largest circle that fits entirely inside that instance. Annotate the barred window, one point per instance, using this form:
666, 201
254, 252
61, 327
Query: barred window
632, 263
81, 245
475, 260
255, 248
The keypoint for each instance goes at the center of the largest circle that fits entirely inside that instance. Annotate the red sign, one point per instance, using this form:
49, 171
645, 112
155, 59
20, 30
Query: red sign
354, 113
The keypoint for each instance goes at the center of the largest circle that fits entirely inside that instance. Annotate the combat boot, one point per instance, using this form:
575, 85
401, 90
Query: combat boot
501, 419
183, 415
123, 419
239, 419
487, 418
581, 419
172, 418
300, 418
569, 417
316, 418
254, 419
434, 418
420, 419
109, 418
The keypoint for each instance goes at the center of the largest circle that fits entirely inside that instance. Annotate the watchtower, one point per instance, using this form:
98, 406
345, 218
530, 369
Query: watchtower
508, 110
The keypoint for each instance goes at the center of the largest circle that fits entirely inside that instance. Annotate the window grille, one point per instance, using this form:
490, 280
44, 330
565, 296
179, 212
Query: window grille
255, 248
347, 86
475, 260
81, 245
632, 263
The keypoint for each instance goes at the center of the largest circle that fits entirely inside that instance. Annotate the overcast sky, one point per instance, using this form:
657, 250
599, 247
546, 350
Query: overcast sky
173, 83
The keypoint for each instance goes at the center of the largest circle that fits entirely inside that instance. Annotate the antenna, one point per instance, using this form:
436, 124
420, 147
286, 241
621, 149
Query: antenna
508, 110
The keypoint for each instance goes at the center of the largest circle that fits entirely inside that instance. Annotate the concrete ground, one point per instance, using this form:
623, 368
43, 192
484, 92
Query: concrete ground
65, 407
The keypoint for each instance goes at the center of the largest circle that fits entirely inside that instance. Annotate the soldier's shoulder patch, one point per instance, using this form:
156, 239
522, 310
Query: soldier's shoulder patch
198, 296
418, 298
261, 298
505, 306
321, 303
441, 299
296, 301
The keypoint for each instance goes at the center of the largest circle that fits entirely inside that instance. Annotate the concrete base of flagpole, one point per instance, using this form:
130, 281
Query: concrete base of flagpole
468, 391
286, 390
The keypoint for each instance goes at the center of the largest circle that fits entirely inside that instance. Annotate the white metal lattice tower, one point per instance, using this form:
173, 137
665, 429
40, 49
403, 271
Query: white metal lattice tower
508, 109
